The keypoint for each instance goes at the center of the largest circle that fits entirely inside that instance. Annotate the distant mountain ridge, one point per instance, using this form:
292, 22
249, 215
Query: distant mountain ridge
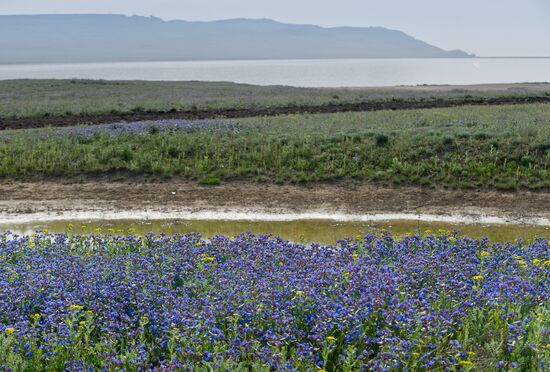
117, 38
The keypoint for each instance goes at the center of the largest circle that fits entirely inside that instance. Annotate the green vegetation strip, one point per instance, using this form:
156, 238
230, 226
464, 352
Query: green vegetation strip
68, 98
505, 147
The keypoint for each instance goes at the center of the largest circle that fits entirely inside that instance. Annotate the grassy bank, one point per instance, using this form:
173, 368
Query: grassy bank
505, 147
46, 98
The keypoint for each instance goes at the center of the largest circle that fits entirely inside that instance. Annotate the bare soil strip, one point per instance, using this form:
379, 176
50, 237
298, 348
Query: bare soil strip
179, 197
62, 121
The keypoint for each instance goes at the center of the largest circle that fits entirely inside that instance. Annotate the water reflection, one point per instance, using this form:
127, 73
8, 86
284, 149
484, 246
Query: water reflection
304, 73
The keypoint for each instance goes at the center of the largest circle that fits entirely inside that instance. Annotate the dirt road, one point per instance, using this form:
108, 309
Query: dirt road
53, 198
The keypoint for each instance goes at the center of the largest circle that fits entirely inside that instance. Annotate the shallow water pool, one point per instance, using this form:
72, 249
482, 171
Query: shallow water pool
321, 231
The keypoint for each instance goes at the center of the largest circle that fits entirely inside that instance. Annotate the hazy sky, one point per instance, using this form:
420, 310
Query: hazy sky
484, 27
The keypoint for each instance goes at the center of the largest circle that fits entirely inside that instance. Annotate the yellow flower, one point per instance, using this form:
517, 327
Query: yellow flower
321, 370
546, 263
428, 231
484, 254
10, 330
299, 293
536, 261
452, 239
331, 338
465, 363
36, 317
471, 353
207, 258
82, 323
416, 354
76, 307
478, 277
355, 256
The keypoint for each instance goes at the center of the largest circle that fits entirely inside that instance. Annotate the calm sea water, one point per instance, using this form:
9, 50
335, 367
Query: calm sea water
305, 73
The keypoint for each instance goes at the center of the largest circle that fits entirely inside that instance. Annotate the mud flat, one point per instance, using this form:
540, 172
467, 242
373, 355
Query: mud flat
22, 202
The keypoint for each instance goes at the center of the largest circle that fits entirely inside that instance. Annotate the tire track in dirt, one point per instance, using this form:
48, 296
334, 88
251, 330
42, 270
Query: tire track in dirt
232, 113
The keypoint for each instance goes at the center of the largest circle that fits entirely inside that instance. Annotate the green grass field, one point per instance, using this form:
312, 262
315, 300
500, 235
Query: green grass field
505, 147
39, 98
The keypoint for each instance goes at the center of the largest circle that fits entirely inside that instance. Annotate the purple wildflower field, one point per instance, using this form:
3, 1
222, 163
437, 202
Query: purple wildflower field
422, 302
131, 128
